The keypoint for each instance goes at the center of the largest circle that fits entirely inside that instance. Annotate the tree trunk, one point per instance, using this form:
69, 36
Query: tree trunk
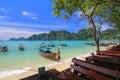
96, 39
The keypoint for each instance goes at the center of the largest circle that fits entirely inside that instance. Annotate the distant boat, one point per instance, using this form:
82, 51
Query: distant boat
63, 45
105, 44
21, 47
42, 44
101, 44
88, 43
51, 44
46, 52
3, 48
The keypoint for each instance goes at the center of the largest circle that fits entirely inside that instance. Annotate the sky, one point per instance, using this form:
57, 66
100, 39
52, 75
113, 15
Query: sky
23, 18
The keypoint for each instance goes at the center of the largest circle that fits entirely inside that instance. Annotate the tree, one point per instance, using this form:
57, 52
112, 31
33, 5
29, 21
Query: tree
108, 10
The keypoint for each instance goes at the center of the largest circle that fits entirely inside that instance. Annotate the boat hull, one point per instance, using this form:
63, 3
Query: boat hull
21, 48
3, 48
53, 56
49, 54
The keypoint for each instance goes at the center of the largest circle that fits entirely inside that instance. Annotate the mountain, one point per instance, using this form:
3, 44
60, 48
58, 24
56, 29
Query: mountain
20, 38
84, 34
12, 39
52, 35
110, 34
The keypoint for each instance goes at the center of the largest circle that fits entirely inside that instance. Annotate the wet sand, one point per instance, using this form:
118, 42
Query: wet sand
60, 66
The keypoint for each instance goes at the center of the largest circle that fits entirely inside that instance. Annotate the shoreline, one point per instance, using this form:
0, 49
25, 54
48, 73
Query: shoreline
25, 72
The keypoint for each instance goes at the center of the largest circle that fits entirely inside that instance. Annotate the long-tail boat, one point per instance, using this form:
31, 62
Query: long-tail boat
46, 52
101, 44
21, 47
51, 44
3, 48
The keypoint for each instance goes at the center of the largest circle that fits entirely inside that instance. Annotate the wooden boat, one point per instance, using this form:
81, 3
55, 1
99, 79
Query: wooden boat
21, 47
49, 54
42, 44
3, 48
101, 44
88, 43
105, 44
51, 45
113, 51
100, 66
63, 45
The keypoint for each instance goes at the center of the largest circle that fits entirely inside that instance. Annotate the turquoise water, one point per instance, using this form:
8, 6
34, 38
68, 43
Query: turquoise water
30, 57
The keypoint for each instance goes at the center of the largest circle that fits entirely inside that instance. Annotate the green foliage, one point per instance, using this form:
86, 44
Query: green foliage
109, 10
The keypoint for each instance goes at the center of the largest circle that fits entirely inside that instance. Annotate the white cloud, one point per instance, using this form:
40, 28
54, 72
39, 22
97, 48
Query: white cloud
7, 33
30, 15
4, 17
106, 26
78, 13
4, 9
15, 29
33, 17
33, 26
27, 13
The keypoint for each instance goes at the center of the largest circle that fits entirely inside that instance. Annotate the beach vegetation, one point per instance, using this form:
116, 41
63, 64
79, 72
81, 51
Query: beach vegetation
107, 10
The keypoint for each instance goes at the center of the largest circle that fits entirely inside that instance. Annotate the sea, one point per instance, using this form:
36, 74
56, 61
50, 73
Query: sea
14, 59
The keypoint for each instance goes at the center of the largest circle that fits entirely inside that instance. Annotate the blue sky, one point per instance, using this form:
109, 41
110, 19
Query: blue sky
22, 18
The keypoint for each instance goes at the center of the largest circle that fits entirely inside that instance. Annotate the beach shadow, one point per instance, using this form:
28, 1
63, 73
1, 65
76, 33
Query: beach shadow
54, 74
35, 77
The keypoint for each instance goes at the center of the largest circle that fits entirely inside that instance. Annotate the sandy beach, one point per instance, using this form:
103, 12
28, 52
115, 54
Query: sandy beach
62, 65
